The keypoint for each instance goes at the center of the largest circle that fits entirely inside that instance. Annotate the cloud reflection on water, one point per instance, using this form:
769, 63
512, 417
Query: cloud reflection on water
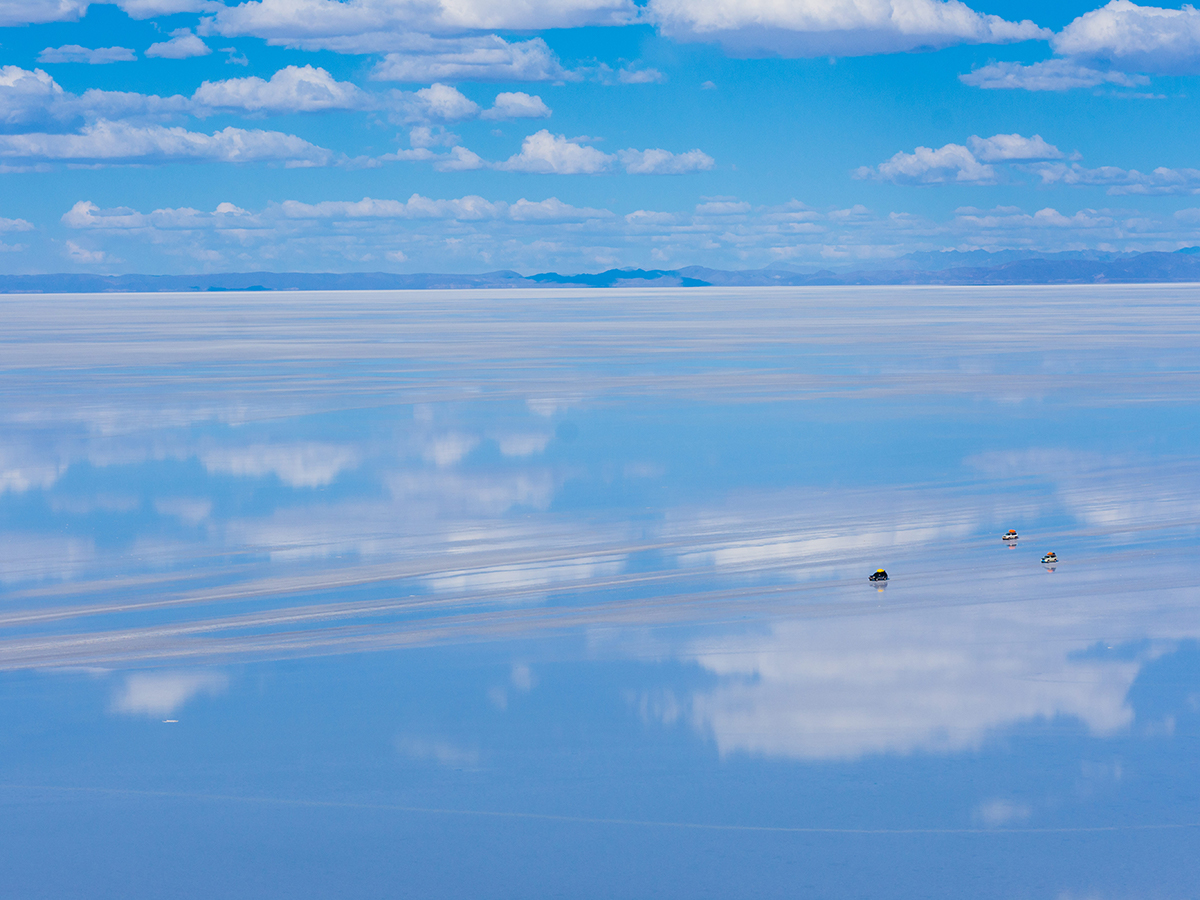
165, 693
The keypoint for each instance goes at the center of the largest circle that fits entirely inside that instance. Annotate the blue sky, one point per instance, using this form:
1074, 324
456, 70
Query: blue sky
172, 136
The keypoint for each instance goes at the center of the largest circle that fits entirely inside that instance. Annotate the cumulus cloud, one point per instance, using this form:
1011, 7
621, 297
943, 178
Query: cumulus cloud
808, 28
182, 45
26, 95
1119, 181
15, 225
553, 210
113, 141
640, 76
486, 58
424, 136
33, 96
149, 9
291, 89
664, 162
315, 23
953, 162
555, 154
959, 164
517, 105
1050, 75
1014, 219
83, 255
1012, 146
530, 234
87, 215
438, 102
470, 208
35, 12
459, 159
1113, 45
73, 53
1135, 38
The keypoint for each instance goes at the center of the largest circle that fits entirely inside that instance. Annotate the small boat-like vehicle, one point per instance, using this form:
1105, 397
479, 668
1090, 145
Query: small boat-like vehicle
878, 575
1010, 535
1050, 559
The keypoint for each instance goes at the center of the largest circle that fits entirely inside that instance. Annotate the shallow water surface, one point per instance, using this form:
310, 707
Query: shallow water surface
564, 594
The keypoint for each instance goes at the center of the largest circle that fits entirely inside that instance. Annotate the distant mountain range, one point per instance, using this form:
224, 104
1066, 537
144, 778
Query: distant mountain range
951, 267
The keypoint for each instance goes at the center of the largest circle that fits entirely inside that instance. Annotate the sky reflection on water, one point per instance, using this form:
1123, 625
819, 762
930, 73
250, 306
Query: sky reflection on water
453, 594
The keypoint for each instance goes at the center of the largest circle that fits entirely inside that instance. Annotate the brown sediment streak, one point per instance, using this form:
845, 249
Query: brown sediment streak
196, 640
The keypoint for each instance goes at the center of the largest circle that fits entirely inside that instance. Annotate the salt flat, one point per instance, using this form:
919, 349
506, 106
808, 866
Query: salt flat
576, 580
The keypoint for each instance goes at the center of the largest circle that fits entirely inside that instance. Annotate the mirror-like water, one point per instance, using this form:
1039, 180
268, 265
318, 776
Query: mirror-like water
453, 594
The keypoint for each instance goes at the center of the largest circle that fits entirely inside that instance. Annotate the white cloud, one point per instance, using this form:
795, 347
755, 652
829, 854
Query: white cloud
15, 225
73, 53
416, 207
1113, 45
422, 136
553, 210
470, 208
309, 22
1135, 38
1050, 75
533, 235
640, 76
34, 12
164, 693
438, 101
110, 141
1012, 146
834, 27
548, 153
26, 95
953, 162
517, 105
486, 58
33, 96
182, 45
82, 255
1119, 181
87, 215
555, 154
1014, 219
149, 9
723, 207
956, 163
663, 162
234, 58
291, 89
459, 159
